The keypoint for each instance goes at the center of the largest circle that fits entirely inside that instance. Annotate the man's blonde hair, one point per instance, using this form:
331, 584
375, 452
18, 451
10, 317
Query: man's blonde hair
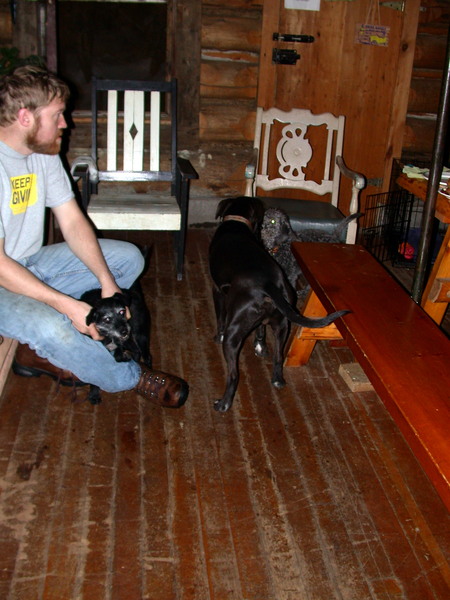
29, 87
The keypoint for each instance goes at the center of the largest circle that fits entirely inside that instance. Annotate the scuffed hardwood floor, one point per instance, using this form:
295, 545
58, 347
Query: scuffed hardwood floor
308, 493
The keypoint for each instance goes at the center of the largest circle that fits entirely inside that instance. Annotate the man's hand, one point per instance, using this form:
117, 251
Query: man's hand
77, 311
110, 290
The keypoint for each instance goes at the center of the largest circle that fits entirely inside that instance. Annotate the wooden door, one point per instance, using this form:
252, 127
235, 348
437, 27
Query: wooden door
369, 84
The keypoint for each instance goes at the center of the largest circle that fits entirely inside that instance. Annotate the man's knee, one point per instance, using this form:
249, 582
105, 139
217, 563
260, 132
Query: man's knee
136, 259
125, 260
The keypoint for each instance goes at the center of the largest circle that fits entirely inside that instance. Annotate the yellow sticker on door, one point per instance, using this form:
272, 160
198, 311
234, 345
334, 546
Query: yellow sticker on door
372, 35
23, 193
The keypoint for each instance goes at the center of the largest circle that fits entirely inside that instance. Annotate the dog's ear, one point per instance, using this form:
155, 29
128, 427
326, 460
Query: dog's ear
91, 316
285, 231
258, 210
222, 207
256, 215
124, 297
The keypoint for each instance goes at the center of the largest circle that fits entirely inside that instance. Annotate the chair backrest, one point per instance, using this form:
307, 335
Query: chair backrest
298, 150
139, 119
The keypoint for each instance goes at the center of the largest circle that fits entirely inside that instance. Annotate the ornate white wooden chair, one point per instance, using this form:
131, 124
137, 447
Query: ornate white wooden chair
301, 154
136, 121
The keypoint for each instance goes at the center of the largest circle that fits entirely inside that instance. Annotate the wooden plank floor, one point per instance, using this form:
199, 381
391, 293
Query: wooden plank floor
305, 493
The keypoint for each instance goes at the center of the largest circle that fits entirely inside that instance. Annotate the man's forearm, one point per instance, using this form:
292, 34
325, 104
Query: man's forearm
16, 278
81, 239
19, 280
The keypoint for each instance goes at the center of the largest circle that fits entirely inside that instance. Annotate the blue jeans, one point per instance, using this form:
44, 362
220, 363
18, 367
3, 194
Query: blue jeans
52, 334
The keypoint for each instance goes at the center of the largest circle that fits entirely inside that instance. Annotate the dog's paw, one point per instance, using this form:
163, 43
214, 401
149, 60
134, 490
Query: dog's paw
221, 406
278, 383
261, 349
121, 355
148, 362
94, 395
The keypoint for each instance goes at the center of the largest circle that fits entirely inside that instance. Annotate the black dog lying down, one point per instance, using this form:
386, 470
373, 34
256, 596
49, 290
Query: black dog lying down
126, 339
250, 290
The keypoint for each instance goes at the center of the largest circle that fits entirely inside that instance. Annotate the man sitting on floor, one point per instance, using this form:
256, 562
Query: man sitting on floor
40, 286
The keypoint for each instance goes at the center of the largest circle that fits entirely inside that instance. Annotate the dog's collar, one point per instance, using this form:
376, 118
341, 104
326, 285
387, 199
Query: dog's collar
238, 218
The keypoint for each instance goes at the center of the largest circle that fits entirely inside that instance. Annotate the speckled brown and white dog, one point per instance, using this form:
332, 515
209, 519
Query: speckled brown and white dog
277, 235
250, 290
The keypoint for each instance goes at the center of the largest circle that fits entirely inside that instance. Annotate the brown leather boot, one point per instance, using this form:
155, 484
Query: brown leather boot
162, 389
28, 364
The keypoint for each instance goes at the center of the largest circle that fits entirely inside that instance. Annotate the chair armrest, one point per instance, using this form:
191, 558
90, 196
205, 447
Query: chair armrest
80, 171
358, 184
250, 172
359, 181
84, 168
186, 169
88, 163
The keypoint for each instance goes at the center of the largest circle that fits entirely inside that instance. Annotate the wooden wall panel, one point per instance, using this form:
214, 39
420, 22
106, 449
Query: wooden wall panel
6, 28
419, 137
230, 40
424, 94
426, 80
368, 84
229, 31
25, 31
184, 34
238, 4
227, 120
232, 79
430, 50
216, 53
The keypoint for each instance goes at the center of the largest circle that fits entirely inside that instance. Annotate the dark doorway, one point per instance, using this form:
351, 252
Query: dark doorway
111, 40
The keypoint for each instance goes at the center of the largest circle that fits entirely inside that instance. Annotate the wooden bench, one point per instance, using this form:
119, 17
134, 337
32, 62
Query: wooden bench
405, 355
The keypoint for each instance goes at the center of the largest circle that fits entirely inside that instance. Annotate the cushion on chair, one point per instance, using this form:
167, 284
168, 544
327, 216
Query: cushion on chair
308, 214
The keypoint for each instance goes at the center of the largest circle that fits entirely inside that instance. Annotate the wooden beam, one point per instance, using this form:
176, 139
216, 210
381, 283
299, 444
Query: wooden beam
184, 19
51, 36
399, 105
440, 290
267, 70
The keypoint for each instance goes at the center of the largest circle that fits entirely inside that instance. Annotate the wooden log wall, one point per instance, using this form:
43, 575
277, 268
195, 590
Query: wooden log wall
230, 43
6, 27
226, 39
426, 80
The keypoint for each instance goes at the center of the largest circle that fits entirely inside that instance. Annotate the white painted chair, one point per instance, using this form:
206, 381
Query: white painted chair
301, 154
136, 121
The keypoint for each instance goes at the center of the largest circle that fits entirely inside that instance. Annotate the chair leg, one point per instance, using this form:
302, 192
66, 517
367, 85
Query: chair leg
180, 236
180, 246
179, 253
303, 339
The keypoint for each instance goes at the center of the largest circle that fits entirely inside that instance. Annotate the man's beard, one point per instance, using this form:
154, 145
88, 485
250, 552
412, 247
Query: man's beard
52, 147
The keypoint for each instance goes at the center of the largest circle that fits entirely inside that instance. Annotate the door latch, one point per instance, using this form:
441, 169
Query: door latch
284, 57
293, 37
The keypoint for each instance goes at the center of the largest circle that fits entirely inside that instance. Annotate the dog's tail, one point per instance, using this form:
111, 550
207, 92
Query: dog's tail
294, 316
344, 223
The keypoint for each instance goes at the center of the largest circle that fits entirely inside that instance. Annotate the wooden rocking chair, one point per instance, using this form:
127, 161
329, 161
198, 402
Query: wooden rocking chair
139, 121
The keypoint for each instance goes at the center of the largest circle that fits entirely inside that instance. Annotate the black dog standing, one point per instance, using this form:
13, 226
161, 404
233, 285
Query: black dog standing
250, 290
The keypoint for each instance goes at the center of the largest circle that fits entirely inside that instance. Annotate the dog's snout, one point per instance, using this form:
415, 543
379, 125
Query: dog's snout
124, 331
